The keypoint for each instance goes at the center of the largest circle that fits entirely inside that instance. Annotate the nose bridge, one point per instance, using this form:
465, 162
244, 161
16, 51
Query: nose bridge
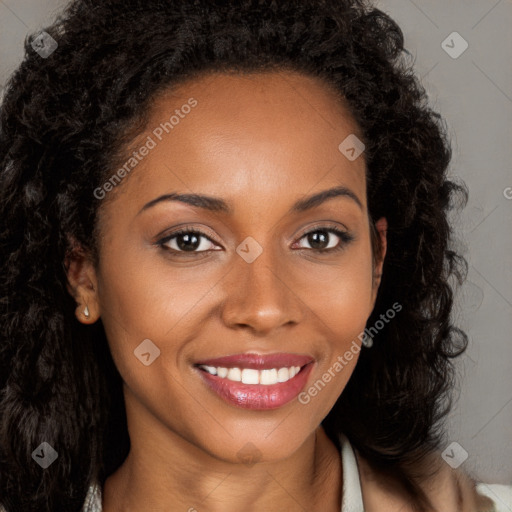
259, 293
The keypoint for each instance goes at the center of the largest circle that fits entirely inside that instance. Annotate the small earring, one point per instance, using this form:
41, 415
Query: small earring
86, 312
367, 340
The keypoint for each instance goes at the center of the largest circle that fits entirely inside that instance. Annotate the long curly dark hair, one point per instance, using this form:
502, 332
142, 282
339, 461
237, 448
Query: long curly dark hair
65, 120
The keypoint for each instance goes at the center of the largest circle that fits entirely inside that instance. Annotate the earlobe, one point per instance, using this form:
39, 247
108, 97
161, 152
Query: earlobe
84, 315
82, 285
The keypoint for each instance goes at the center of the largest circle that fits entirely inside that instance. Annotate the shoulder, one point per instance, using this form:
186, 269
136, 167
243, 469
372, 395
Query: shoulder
447, 489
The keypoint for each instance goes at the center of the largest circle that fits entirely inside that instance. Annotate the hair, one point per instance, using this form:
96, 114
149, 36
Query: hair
66, 119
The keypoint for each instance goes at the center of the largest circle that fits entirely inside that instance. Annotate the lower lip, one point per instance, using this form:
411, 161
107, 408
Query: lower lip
258, 396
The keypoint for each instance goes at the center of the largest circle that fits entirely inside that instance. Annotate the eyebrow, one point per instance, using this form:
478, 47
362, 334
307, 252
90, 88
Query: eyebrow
216, 204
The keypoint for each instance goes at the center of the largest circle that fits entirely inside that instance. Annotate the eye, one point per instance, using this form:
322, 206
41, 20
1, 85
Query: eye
186, 241
192, 241
321, 239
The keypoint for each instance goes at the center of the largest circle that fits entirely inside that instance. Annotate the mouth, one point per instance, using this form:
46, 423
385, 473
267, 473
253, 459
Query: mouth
254, 381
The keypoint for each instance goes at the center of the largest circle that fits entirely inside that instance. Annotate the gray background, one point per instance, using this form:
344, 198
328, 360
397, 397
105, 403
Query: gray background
474, 94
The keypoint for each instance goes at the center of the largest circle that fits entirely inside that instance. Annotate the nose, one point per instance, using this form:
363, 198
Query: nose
261, 296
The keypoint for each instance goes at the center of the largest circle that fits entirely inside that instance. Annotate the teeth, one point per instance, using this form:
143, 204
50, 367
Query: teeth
211, 369
235, 374
269, 376
221, 372
283, 374
252, 376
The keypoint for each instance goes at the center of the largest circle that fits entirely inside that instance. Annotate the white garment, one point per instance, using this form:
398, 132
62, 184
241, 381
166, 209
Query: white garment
501, 495
352, 500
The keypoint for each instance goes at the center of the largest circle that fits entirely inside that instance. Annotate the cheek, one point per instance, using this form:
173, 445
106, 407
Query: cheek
342, 294
144, 297
140, 292
147, 310
342, 300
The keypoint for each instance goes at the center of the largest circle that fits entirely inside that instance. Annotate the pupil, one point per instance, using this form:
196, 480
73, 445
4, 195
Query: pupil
188, 242
318, 238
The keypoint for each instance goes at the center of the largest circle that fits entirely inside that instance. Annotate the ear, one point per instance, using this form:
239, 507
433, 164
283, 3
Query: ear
381, 227
82, 284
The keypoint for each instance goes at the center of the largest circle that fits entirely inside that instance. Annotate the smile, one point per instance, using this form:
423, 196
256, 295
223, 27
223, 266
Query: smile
251, 376
255, 381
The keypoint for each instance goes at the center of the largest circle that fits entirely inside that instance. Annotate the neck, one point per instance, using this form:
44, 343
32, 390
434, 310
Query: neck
164, 471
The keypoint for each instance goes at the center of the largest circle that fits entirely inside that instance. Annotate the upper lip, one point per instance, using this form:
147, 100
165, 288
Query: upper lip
258, 361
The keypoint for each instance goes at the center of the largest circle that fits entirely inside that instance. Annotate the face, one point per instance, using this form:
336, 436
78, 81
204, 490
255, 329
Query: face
260, 273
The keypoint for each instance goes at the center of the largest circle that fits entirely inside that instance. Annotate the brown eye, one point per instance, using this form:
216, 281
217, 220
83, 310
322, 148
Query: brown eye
321, 239
186, 241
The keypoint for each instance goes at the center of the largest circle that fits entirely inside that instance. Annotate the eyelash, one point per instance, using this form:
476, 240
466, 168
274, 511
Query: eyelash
344, 236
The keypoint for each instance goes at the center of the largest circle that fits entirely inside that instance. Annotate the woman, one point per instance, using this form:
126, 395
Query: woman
225, 264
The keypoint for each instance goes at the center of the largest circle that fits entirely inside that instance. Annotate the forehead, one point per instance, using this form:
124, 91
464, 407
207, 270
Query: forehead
259, 132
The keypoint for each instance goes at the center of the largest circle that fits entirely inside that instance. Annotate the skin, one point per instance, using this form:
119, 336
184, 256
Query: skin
260, 142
